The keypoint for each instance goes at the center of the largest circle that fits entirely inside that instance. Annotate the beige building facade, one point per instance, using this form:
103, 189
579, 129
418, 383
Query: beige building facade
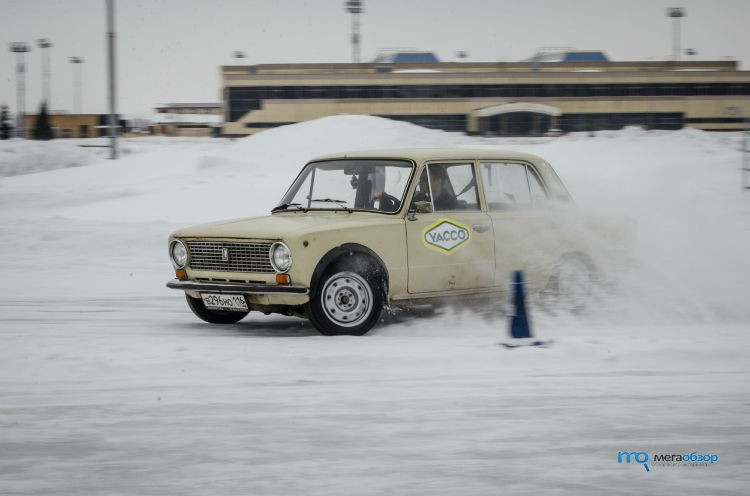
71, 125
506, 99
187, 119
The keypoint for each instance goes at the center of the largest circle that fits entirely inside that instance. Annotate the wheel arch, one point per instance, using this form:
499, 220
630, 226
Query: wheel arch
581, 256
348, 251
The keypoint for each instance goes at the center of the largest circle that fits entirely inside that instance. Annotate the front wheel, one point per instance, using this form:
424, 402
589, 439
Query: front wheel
349, 300
213, 316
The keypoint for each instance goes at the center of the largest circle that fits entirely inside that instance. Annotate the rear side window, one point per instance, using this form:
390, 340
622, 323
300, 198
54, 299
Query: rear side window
512, 186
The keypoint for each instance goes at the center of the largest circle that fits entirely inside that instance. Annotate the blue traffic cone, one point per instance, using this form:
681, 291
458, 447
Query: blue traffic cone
519, 323
520, 329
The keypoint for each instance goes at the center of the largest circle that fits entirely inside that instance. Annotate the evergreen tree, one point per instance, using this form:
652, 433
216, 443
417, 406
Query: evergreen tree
5, 127
42, 127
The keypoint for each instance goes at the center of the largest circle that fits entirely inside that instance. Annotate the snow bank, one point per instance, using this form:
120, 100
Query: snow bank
29, 157
295, 144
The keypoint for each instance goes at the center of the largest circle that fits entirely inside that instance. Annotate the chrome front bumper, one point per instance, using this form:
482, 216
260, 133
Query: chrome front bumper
236, 287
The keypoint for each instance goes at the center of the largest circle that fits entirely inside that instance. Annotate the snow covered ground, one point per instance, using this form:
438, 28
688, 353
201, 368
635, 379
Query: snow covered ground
109, 385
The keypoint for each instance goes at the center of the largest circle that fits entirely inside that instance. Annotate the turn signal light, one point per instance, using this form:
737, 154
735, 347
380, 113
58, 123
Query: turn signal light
181, 274
283, 279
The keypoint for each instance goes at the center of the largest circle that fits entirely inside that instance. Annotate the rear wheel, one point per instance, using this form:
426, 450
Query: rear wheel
213, 316
571, 286
348, 300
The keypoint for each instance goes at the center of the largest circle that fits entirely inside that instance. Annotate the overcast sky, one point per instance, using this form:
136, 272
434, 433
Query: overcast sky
172, 50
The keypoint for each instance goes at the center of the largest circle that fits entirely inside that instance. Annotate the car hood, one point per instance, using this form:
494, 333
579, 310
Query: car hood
282, 225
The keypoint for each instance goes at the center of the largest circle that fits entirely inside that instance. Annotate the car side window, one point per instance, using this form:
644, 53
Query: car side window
453, 187
538, 194
511, 186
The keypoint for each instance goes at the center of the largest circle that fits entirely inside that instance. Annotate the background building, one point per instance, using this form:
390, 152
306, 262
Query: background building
207, 122
189, 108
73, 125
569, 91
187, 119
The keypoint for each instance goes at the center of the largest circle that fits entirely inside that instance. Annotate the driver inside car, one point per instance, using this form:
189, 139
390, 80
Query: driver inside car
442, 192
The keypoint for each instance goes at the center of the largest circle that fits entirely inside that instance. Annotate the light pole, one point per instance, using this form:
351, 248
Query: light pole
20, 48
76, 61
676, 13
355, 7
45, 44
112, 124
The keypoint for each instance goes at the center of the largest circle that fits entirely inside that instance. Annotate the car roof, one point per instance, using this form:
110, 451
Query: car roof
420, 155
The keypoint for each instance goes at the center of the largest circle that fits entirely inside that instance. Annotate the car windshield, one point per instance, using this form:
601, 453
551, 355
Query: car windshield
358, 184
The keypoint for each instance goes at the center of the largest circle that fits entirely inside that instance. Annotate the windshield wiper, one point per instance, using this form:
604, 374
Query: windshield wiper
284, 206
340, 203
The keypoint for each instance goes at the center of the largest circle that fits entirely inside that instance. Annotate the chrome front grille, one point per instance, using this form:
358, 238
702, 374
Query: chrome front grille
230, 257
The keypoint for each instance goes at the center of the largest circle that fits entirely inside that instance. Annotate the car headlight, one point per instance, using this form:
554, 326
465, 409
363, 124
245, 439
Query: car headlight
281, 257
179, 254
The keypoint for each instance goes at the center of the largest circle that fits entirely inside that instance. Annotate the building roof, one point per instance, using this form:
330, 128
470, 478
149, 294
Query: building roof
507, 108
190, 105
405, 57
208, 119
545, 55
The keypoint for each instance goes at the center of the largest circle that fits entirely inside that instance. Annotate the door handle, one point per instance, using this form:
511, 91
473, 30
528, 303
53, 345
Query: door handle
480, 228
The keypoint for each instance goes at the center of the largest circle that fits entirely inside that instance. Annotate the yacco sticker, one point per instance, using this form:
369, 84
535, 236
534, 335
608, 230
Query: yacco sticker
446, 235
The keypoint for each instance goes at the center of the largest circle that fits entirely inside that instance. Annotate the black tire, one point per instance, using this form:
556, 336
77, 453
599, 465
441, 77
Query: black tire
348, 299
213, 316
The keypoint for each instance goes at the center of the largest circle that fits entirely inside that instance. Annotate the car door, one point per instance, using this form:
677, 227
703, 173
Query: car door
449, 239
527, 236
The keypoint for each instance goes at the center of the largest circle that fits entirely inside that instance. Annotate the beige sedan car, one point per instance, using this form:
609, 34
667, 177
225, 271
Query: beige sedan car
359, 232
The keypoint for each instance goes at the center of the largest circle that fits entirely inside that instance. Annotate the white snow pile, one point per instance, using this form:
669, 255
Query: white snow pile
108, 384
27, 157
290, 146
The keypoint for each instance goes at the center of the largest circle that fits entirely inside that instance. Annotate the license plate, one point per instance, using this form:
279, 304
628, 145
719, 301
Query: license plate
216, 301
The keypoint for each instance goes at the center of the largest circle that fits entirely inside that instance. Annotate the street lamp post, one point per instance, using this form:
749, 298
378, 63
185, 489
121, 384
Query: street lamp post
45, 44
112, 120
76, 61
355, 8
20, 48
676, 13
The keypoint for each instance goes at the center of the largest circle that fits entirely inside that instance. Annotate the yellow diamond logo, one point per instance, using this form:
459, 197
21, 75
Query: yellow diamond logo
446, 235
